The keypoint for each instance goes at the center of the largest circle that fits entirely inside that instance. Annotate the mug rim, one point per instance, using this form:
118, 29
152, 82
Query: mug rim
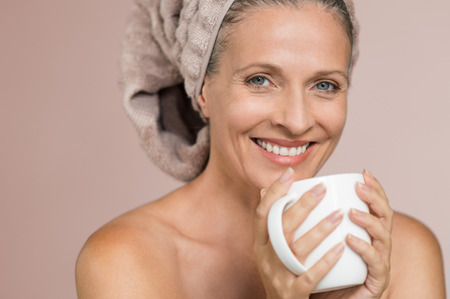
324, 177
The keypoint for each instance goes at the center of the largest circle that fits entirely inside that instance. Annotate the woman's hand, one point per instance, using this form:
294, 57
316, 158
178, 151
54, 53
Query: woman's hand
278, 281
377, 256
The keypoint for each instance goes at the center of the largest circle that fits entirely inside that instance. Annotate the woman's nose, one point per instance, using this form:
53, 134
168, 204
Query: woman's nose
293, 113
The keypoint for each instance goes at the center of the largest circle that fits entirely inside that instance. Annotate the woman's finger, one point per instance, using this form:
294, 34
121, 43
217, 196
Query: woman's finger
371, 181
278, 189
303, 246
381, 237
377, 204
375, 186
378, 269
298, 212
371, 223
306, 282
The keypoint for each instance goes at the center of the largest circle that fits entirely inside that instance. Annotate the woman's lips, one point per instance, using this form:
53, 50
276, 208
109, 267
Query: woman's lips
284, 152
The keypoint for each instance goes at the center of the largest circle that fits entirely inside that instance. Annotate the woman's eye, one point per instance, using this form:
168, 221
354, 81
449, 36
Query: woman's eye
325, 86
259, 80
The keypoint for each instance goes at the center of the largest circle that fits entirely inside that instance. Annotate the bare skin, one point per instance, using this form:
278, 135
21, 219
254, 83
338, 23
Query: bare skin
208, 239
158, 251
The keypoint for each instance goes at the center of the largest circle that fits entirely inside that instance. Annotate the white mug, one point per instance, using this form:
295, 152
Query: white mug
350, 270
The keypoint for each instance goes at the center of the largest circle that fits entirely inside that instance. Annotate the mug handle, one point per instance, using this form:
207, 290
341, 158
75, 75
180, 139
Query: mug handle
276, 235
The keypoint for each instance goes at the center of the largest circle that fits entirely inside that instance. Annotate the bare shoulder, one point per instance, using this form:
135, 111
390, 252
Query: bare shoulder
416, 261
130, 257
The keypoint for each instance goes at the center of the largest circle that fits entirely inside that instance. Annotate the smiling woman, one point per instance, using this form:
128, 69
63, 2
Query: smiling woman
273, 104
288, 109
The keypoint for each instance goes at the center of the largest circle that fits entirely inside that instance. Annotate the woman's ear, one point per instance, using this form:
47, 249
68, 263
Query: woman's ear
203, 101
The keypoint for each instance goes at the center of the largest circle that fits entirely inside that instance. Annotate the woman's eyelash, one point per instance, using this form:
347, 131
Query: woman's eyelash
258, 81
326, 87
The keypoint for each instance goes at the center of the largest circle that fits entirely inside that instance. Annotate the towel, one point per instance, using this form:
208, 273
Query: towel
166, 50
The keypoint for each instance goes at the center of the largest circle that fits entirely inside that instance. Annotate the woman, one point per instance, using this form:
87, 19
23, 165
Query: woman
274, 97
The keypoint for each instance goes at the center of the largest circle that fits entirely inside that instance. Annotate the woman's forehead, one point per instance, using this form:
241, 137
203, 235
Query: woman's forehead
288, 36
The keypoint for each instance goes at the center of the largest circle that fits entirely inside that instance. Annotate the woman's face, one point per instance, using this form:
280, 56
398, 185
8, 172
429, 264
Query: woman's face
279, 97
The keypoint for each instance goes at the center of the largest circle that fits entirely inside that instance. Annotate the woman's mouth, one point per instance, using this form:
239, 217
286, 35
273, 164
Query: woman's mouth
281, 150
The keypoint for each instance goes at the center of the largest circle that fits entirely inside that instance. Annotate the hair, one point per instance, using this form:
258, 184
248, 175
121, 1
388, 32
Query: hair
237, 12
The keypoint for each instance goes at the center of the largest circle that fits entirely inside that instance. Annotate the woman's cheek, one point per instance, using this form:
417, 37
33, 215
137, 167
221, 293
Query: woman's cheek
246, 113
332, 116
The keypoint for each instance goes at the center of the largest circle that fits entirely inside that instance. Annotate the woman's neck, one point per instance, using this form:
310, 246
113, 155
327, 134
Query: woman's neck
226, 189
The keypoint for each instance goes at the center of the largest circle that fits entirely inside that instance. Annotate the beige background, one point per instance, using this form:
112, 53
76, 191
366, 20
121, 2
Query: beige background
70, 159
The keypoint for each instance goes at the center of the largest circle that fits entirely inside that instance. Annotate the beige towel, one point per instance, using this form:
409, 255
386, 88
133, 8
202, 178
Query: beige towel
167, 46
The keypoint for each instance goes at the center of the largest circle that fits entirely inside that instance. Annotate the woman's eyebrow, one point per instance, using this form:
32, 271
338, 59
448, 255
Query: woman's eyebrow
266, 66
332, 72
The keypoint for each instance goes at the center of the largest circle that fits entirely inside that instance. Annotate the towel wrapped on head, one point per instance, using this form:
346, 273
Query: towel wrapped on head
167, 47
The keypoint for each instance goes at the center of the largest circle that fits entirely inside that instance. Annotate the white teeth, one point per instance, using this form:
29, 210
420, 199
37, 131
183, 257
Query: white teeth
276, 150
293, 152
281, 150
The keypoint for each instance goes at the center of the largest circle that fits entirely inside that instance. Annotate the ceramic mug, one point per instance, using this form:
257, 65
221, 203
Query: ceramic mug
350, 270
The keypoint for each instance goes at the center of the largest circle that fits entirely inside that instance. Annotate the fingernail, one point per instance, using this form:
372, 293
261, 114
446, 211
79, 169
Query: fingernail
338, 248
352, 238
356, 213
318, 190
367, 172
362, 186
263, 192
287, 175
336, 216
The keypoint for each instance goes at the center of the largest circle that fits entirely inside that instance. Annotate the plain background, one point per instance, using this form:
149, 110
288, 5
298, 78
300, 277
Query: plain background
70, 159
